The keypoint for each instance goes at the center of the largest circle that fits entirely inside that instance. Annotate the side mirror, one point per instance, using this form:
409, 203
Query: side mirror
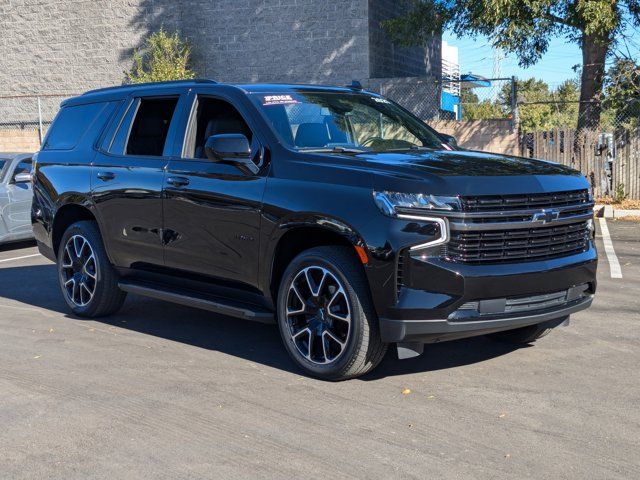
22, 177
231, 148
449, 139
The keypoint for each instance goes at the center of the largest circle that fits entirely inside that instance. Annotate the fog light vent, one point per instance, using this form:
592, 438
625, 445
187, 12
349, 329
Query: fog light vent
469, 306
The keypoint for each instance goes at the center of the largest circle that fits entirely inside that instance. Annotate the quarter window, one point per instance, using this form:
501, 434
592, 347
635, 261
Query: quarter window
71, 124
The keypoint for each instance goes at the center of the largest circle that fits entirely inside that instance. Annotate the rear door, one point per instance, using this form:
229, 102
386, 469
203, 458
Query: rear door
212, 209
128, 175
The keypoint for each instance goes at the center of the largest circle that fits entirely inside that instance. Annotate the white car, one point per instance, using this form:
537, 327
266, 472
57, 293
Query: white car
15, 197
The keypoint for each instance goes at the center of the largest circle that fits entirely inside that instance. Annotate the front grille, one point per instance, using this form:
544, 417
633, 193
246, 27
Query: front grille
519, 228
529, 244
502, 203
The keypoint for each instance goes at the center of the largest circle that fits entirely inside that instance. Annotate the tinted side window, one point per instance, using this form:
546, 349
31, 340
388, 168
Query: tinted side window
213, 117
70, 125
150, 126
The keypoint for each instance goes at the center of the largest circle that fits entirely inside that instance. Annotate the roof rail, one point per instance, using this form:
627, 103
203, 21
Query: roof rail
355, 85
149, 84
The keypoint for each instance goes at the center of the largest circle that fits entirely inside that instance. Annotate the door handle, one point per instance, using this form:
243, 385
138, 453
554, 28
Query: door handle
178, 181
106, 176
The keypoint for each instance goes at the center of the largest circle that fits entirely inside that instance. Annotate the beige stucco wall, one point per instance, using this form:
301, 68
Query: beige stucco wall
19, 140
493, 136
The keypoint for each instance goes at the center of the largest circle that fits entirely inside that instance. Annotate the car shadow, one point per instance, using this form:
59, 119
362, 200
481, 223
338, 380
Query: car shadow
6, 247
37, 286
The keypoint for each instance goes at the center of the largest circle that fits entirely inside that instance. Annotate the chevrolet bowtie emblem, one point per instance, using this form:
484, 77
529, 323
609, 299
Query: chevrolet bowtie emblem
546, 216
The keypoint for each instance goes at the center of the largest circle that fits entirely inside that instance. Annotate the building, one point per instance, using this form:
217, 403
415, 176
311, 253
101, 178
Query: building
70, 46
450, 95
51, 50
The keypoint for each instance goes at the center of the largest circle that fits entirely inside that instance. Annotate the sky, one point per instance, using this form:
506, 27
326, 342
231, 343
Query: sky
476, 56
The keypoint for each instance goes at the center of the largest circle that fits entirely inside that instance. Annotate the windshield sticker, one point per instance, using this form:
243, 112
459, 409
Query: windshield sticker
278, 100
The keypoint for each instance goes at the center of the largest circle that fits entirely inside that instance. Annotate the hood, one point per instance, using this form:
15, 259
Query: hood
469, 173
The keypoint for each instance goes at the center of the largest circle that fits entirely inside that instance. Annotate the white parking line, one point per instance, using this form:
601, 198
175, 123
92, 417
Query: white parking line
614, 265
19, 258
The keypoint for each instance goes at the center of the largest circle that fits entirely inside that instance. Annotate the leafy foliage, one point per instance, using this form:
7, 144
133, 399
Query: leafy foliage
162, 57
525, 28
475, 109
622, 92
522, 27
619, 194
541, 108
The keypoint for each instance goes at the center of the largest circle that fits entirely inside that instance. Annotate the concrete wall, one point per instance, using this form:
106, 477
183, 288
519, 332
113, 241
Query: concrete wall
420, 95
388, 60
19, 140
70, 46
488, 135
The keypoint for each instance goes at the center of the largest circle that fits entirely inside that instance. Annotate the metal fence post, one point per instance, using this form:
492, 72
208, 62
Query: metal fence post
514, 104
39, 121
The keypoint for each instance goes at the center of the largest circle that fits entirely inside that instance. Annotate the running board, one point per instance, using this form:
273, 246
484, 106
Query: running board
220, 305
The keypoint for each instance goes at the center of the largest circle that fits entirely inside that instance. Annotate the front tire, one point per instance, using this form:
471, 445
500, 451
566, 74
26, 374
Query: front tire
326, 316
88, 281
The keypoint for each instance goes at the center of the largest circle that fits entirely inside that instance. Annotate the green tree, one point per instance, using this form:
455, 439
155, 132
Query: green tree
567, 96
475, 109
525, 27
622, 93
541, 108
162, 57
535, 111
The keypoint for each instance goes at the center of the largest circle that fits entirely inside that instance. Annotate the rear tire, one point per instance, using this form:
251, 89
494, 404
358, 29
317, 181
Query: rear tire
326, 317
524, 335
88, 281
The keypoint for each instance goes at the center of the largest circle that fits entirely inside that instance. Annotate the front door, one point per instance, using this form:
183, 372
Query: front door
127, 180
20, 195
212, 210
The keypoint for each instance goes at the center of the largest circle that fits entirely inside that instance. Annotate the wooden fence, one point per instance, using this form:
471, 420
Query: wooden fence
582, 152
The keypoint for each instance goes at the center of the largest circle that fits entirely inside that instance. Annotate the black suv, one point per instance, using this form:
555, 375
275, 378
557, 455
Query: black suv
331, 211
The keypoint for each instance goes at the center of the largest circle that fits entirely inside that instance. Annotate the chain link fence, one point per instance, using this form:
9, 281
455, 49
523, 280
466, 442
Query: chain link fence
24, 120
466, 98
609, 155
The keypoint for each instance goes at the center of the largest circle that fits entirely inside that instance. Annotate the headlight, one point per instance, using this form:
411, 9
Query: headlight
417, 207
394, 203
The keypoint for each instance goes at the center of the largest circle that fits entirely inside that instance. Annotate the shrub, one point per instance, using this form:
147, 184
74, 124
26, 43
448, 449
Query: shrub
162, 57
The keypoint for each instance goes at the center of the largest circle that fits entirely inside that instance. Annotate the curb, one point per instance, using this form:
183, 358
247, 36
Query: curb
607, 211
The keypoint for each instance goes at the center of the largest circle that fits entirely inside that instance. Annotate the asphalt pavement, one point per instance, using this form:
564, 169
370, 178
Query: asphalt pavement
167, 392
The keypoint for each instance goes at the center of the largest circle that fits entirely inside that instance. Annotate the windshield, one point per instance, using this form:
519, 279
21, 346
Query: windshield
343, 122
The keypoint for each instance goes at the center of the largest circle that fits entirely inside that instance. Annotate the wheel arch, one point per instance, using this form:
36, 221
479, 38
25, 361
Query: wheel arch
300, 235
65, 216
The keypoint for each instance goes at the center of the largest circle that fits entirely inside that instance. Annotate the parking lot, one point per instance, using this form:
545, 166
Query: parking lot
164, 391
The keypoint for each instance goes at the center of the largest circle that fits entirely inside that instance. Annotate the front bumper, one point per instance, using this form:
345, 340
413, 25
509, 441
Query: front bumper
437, 298
432, 331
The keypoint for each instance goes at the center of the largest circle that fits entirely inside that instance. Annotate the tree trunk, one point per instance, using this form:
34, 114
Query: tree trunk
594, 54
